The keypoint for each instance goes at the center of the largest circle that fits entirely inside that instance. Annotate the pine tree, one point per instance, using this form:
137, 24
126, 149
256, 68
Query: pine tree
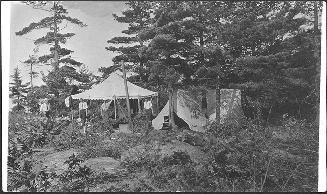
63, 66
138, 17
183, 37
32, 62
17, 88
259, 47
88, 78
272, 56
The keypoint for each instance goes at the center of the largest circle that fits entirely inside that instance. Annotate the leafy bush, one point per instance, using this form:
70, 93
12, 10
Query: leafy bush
20, 176
70, 137
18, 108
77, 178
33, 97
109, 148
256, 159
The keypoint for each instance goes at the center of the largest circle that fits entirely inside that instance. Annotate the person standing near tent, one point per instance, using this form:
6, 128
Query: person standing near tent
148, 109
45, 108
82, 108
69, 104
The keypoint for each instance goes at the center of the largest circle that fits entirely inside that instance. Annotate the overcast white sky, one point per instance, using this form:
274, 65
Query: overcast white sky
88, 44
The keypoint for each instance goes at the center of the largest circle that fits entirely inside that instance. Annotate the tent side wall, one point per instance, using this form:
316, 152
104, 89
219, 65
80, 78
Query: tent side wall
211, 101
186, 109
231, 111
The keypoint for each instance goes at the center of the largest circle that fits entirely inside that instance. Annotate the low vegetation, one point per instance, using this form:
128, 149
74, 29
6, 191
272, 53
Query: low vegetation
252, 158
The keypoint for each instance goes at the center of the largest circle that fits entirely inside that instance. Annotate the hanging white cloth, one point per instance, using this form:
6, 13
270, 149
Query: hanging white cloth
105, 106
147, 104
67, 101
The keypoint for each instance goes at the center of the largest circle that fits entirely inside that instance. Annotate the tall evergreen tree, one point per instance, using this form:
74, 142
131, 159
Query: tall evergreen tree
17, 87
137, 17
262, 48
184, 37
88, 78
272, 54
32, 62
63, 66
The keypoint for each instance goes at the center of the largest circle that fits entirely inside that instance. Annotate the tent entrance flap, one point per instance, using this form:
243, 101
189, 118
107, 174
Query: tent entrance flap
187, 109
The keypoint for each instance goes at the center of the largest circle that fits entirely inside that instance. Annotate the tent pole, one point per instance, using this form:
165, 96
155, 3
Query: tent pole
171, 105
139, 103
157, 107
115, 107
127, 97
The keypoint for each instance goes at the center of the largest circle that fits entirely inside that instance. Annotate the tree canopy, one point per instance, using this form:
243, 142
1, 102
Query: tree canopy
267, 49
63, 65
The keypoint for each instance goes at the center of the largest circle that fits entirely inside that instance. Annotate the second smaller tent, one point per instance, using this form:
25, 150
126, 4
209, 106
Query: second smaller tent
187, 109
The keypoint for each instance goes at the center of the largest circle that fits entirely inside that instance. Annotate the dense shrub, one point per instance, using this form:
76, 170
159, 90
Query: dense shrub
70, 137
251, 158
18, 108
20, 176
268, 158
76, 178
171, 173
33, 97
99, 142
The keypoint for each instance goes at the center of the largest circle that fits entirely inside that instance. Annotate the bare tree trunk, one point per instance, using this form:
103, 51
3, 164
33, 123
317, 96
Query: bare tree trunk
218, 105
56, 58
127, 99
171, 105
18, 102
32, 75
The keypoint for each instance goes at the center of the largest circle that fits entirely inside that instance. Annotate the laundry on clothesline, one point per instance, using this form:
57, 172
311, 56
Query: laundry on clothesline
68, 101
148, 104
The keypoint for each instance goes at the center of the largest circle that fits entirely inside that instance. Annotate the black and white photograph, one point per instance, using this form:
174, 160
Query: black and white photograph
163, 96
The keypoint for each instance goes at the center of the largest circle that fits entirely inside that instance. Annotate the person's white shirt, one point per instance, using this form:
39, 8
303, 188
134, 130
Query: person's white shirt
82, 105
44, 107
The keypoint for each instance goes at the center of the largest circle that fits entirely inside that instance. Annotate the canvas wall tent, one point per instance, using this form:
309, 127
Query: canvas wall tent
230, 107
186, 108
112, 87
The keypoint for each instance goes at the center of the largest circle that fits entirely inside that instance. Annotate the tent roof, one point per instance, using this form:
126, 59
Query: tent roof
114, 86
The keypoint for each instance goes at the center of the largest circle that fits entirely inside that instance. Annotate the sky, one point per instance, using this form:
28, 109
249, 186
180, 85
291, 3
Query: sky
88, 44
